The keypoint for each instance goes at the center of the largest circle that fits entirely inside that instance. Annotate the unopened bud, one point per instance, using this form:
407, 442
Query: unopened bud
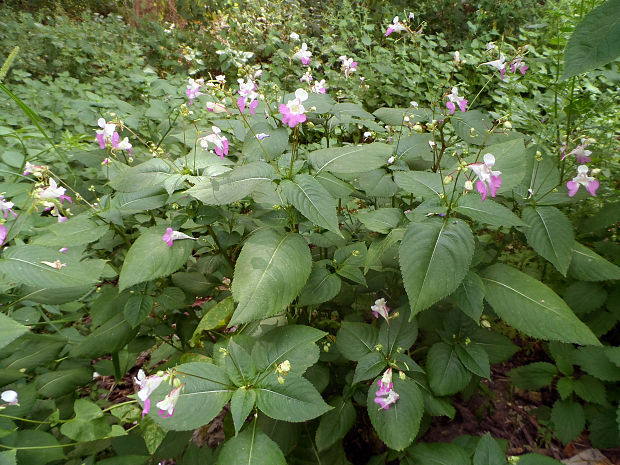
595, 171
539, 156
401, 375
469, 186
418, 128
280, 379
507, 124
448, 179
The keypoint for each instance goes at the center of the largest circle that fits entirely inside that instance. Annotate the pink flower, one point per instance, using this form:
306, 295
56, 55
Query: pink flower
248, 95
220, 142
107, 133
193, 89
303, 54
584, 180
216, 107
147, 385
6, 207
293, 112
166, 406
318, 87
581, 154
380, 308
348, 65
518, 63
488, 180
385, 402
34, 169
124, 145
453, 97
3, 233
172, 235
499, 64
396, 26
386, 395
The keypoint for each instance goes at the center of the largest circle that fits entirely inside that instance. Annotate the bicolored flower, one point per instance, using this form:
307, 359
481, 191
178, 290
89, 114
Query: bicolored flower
453, 97
499, 64
581, 154
248, 95
216, 107
167, 405
218, 140
9, 397
52, 191
107, 133
147, 385
193, 89
385, 402
348, 66
307, 77
318, 87
172, 235
517, 63
303, 55
582, 179
37, 170
380, 308
124, 145
489, 181
3, 233
6, 207
294, 112
386, 395
396, 26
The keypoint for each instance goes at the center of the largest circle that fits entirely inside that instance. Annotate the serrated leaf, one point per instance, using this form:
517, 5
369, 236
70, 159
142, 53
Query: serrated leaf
568, 420
475, 359
149, 257
335, 424
150, 174
214, 318
351, 159
487, 212
587, 265
296, 400
550, 234
253, 447
584, 297
533, 376
469, 296
355, 340
594, 42
398, 425
60, 382
267, 148
75, 231
10, 330
322, 286
382, 220
233, 185
434, 258
421, 184
137, 309
107, 339
308, 196
590, 389
528, 305
369, 366
271, 270
594, 361
446, 374
488, 452
241, 404
206, 390
438, 453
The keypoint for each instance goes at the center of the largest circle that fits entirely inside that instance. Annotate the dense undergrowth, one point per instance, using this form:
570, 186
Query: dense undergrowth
288, 226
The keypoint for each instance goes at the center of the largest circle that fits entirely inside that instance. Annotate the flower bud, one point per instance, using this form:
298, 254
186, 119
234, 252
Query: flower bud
401, 375
448, 179
507, 124
469, 186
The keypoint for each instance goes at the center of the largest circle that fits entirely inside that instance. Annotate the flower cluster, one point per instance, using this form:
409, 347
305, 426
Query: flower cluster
108, 135
581, 154
294, 112
6, 207
489, 181
248, 95
515, 64
148, 384
454, 97
348, 65
386, 395
193, 89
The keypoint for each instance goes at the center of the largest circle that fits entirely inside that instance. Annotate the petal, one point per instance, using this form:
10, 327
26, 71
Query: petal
450, 106
573, 187
482, 188
592, 186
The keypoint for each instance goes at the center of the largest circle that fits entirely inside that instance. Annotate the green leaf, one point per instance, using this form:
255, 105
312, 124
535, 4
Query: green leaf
137, 309
272, 146
336, 423
587, 265
88, 424
446, 374
584, 297
488, 452
253, 447
10, 330
434, 258
369, 366
239, 365
150, 174
568, 420
348, 261
23, 264
550, 234
76, 231
590, 389
604, 429
206, 390
355, 340
152, 433
233, 185
533, 376
309, 196
351, 159
8, 457
241, 404
398, 425
498, 347
107, 339
594, 42
295, 343
565, 387
594, 361
150, 257
296, 400
399, 335
475, 359
437, 453
382, 220
34, 438
322, 286
421, 184
33, 353
214, 318
335, 186
537, 459
469, 296
528, 305
60, 382
487, 212
271, 270
379, 247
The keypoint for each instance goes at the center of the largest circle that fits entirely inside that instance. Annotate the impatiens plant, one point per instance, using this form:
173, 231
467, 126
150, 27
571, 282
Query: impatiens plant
285, 273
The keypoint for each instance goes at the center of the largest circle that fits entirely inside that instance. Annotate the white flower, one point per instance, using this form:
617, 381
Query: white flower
10, 397
294, 36
303, 54
52, 191
166, 406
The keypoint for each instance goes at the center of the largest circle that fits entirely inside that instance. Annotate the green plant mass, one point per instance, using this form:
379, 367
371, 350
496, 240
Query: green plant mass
296, 232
